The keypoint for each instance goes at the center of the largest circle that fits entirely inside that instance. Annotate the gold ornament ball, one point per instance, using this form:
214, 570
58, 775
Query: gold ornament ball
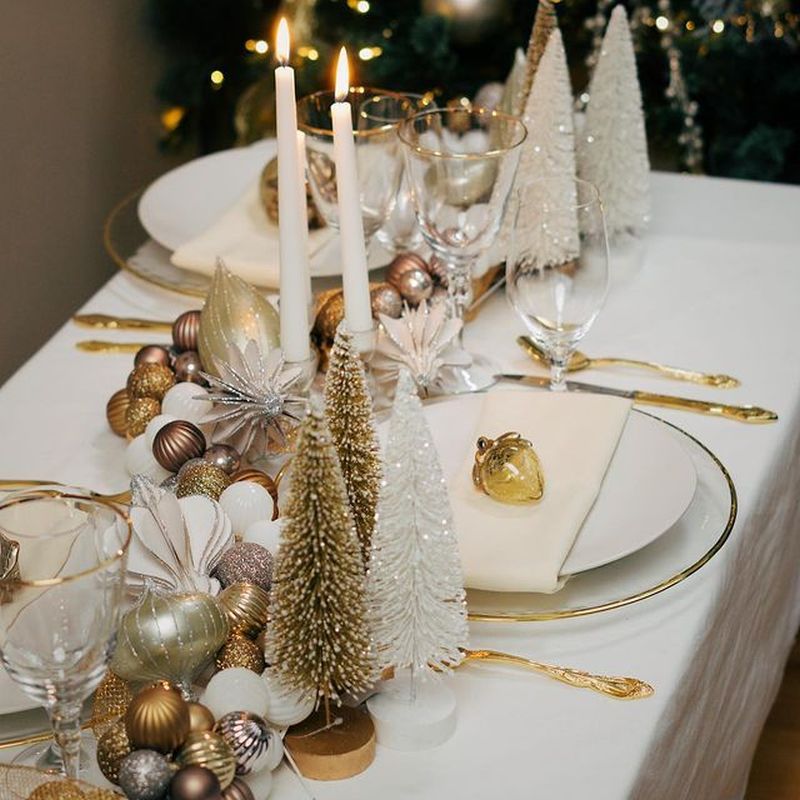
208, 749
157, 719
239, 651
329, 313
111, 701
116, 411
150, 380
185, 330
247, 608
140, 411
176, 443
200, 477
56, 790
200, 718
112, 747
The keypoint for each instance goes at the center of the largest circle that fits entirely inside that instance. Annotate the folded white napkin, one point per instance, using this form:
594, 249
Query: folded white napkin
521, 548
247, 241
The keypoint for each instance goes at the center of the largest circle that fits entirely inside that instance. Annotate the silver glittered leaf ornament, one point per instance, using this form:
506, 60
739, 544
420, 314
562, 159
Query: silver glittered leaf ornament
424, 340
256, 399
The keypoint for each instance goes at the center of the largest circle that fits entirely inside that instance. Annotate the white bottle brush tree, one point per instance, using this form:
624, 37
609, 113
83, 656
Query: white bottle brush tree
612, 149
415, 589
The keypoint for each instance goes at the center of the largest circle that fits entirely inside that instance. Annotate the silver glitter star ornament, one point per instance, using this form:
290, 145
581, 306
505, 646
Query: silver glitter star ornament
256, 399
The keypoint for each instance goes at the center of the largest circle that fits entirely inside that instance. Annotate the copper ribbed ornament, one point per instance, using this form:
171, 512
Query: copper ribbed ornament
200, 477
112, 747
239, 651
178, 442
249, 738
139, 412
185, 330
150, 380
209, 750
200, 718
402, 263
246, 607
152, 354
157, 719
116, 411
111, 701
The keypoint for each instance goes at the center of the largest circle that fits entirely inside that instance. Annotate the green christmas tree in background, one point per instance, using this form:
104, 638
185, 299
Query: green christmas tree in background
720, 78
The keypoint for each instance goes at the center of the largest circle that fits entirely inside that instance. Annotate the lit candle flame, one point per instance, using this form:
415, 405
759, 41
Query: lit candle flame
282, 43
342, 77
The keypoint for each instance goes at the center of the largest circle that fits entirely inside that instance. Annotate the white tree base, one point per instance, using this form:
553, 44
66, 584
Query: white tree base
403, 725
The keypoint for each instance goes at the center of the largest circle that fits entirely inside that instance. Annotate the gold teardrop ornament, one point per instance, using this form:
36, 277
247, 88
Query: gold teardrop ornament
508, 469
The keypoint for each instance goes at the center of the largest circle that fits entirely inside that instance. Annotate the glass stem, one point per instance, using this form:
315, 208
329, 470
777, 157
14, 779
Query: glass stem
459, 288
558, 369
66, 721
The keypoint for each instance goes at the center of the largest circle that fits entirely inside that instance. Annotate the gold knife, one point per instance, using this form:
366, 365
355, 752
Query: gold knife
108, 322
97, 346
750, 414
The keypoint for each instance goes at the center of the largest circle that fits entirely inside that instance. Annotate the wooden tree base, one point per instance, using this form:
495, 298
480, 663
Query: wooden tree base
339, 752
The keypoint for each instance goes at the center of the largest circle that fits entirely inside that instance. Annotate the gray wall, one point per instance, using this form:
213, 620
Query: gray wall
78, 130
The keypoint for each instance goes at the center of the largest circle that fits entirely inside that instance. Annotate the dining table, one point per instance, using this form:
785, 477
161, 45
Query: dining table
715, 286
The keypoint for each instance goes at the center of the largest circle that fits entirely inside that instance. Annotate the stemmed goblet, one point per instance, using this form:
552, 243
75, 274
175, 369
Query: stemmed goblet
557, 270
460, 165
60, 603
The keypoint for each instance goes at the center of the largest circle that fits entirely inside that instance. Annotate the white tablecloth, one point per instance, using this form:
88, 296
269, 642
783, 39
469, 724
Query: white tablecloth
719, 290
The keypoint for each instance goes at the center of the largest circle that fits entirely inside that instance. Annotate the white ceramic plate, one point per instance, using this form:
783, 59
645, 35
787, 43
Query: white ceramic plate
184, 202
649, 484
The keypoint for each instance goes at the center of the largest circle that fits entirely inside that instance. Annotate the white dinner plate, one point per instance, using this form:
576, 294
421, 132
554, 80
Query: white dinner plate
649, 484
187, 200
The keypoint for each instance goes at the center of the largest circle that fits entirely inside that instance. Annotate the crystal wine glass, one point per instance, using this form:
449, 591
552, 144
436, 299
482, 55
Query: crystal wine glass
60, 603
557, 269
377, 152
460, 165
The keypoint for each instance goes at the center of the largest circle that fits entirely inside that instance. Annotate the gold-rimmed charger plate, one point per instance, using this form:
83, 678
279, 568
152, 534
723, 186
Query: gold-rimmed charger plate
687, 547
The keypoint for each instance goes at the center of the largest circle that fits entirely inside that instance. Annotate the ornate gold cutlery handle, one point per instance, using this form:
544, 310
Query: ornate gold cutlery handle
108, 322
97, 346
13, 484
610, 685
717, 381
751, 414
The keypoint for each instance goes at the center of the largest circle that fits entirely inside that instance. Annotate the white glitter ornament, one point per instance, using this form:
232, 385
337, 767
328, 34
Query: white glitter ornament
246, 502
236, 689
612, 149
186, 401
415, 589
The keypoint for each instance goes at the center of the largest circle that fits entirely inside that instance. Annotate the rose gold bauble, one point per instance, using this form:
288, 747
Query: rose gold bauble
224, 456
116, 409
385, 299
188, 367
438, 271
401, 263
139, 412
194, 783
414, 285
152, 354
150, 380
185, 330
157, 719
262, 479
200, 718
176, 443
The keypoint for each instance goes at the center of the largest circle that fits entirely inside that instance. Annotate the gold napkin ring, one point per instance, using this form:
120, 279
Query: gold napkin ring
508, 469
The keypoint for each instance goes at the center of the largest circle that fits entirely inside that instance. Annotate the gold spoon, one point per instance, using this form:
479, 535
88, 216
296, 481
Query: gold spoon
579, 361
621, 688
10, 484
107, 322
97, 346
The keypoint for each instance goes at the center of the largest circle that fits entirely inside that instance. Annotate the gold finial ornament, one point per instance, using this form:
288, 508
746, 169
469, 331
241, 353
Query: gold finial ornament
508, 469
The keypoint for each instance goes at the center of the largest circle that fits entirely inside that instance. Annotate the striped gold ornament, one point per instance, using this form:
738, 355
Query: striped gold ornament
208, 749
246, 606
116, 410
185, 330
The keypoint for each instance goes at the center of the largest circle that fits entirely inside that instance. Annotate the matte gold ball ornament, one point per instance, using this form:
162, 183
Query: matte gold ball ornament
200, 477
150, 380
208, 749
185, 330
139, 412
112, 747
246, 606
178, 442
200, 718
157, 719
239, 651
116, 411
